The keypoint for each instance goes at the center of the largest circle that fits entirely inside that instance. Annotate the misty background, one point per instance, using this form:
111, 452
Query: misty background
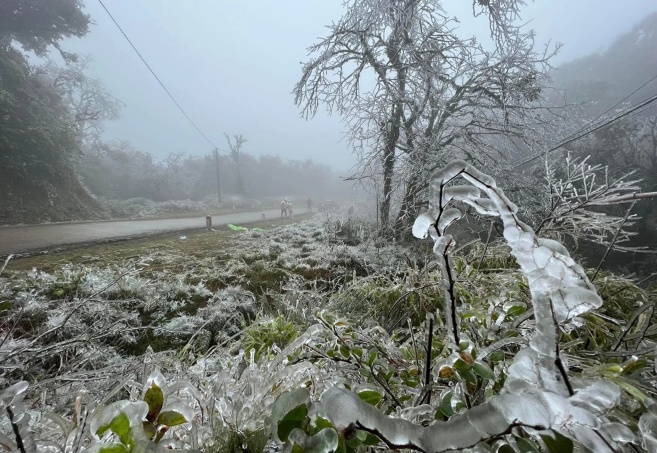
122, 147
232, 66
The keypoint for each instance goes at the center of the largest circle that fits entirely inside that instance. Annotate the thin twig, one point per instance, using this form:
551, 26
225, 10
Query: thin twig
613, 241
6, 262
426, 399
490, 232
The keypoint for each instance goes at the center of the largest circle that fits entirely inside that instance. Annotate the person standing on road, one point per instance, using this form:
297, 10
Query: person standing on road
284, 204
309, 204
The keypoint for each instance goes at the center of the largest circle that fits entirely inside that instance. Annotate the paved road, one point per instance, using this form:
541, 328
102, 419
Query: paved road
34, 238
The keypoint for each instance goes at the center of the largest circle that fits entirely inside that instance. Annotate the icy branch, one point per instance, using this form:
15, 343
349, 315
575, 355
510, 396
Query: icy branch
537, 393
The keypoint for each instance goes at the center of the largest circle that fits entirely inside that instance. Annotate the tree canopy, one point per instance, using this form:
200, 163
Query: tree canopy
38, 24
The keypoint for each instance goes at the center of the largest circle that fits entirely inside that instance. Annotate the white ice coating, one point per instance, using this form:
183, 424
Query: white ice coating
422, 224
448, 216
534, 394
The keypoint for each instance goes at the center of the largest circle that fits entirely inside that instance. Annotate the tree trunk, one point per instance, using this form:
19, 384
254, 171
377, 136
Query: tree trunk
388, 170
409, 208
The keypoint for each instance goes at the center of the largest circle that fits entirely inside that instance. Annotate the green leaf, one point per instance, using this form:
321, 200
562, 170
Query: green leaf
171, 418
321, 423
557, 443
483, 370
294, 419
344, 351
506, 449
462, 365
372, 357
525, 446
516, 310
497, 356
446, 405
469, 376
120, 425
342, 446
365, 372
370, 396
155, 400
113, 448
371, 440
149, 429
634, 366
5, 305
629, 388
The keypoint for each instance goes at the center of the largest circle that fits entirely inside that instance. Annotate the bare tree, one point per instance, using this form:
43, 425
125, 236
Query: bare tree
235, 146
414, 94
86, 98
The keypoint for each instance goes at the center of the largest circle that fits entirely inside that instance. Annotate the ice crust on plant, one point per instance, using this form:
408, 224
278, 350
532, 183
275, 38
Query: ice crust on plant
537, 394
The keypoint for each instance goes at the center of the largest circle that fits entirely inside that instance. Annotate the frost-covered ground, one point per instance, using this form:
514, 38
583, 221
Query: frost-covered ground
220, 324
88, 319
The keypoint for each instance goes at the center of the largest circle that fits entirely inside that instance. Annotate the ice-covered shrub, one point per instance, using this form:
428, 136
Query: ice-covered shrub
539, 402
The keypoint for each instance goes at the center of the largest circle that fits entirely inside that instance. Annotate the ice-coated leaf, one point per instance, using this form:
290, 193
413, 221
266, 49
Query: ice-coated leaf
135, 412
294, 419
557, 443
483, 206
448, 216
578, 300
283, 406
113, 448
422, 224
648, 426
462, 193
619, 432
297, 343
100, 423
483, 370
554, 246
171, 418
525, 446
119, 425
325, 441
155, 400
598, 398
372, 397
11, 392
157, 378
179, 405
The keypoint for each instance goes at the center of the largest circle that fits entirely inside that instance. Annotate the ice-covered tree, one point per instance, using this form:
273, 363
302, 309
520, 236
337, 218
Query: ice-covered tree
414, 93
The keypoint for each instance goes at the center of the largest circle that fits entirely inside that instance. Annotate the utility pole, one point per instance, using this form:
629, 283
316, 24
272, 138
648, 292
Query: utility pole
216, 158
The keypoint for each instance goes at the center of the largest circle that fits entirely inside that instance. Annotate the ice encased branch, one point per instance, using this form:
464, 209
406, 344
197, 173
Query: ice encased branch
534, 395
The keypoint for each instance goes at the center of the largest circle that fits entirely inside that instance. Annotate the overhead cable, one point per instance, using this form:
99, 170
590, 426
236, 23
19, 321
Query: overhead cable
636, 108
155, 75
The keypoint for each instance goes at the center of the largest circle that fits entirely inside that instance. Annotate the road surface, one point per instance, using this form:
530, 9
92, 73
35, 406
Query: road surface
29, 239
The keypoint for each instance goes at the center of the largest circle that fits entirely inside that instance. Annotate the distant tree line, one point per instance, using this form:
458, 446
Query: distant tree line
120, 171
52, 119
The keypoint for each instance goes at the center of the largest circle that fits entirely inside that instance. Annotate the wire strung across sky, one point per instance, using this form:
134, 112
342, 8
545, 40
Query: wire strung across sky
155, 75
596, 125
590, 128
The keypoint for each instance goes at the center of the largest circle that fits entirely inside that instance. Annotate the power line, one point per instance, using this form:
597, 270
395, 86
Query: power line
625, 98
155, 75
636, 108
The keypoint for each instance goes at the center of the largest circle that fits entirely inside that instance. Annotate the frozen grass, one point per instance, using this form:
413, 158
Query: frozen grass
97, 321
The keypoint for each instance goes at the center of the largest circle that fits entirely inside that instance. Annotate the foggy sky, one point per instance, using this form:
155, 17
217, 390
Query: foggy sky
232, 65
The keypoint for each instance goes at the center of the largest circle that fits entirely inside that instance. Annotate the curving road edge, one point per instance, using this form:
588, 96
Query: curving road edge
23, 240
